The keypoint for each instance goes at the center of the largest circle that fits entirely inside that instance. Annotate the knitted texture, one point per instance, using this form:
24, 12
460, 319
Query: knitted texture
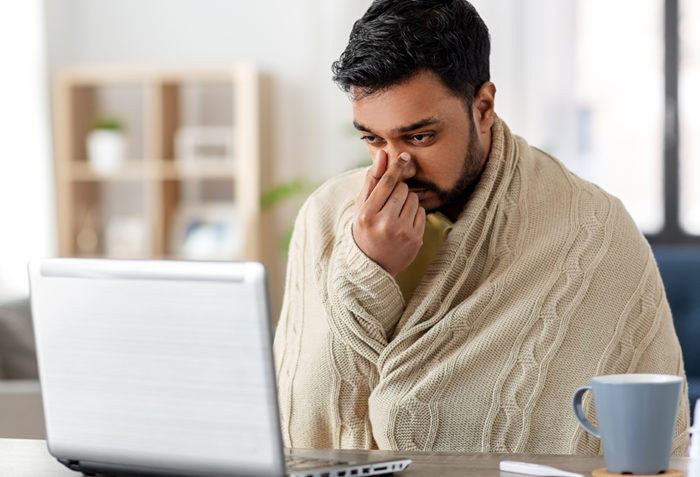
543, 282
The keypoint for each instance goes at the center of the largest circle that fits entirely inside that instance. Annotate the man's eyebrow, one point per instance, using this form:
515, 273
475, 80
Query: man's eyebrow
417, 125
360, 127
403, 129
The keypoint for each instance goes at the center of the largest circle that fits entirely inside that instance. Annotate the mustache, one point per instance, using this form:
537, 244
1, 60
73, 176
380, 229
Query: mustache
414, 183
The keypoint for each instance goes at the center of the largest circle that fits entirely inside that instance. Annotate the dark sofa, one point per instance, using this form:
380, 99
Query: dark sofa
680, 271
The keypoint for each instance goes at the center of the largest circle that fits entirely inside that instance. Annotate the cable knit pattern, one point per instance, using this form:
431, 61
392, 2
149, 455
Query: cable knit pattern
543, 282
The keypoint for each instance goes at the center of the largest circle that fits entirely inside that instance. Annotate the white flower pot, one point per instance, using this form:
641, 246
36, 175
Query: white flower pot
106, 150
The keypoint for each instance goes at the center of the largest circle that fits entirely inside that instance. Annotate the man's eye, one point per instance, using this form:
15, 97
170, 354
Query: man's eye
421, 138
370, 139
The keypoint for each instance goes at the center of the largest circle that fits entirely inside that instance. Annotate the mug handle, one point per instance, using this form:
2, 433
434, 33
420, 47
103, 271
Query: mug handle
578, 412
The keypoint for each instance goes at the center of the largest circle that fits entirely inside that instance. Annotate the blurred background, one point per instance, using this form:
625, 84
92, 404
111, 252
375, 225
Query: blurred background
195, 128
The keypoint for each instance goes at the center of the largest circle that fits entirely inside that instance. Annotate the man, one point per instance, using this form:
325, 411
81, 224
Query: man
453, 296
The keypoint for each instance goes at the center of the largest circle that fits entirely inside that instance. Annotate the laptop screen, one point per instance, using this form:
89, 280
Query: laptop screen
157, 364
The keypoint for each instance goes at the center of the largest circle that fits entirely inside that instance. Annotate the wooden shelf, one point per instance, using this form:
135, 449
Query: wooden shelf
81, 171
137, 210
202, 170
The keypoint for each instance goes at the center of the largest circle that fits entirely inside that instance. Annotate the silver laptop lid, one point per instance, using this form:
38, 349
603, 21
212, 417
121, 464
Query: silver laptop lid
157, 364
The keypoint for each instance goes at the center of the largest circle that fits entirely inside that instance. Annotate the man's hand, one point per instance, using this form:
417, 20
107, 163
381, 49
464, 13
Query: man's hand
389, 223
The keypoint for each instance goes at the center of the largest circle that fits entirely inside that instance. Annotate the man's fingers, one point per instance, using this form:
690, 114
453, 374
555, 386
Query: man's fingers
380, 164
397, 200
410, 208
419, 221
394, 174
374, 174
389, 224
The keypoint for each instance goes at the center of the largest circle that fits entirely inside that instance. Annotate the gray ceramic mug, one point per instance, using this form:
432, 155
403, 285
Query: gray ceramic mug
636, 418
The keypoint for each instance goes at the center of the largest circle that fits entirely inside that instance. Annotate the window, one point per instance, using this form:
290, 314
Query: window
609, 88
619, 96
689, 115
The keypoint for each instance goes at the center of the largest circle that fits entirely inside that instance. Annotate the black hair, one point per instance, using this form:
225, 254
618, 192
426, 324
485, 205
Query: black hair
395, 39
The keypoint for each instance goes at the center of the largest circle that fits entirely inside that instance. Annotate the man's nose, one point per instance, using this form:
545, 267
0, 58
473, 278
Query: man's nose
392, 152
394, 155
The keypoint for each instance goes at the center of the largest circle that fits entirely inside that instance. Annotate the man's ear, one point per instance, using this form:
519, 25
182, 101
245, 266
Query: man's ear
483, 107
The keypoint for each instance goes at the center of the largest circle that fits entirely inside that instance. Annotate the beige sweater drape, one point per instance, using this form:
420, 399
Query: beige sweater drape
543, 283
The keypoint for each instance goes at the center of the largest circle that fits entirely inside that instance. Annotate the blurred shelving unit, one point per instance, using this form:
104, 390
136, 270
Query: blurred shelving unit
188, 184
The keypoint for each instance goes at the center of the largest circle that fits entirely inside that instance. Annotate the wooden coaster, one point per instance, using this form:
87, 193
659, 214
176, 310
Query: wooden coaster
668, 473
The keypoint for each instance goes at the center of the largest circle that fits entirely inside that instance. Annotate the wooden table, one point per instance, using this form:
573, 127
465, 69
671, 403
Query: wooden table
30, 458
445, 464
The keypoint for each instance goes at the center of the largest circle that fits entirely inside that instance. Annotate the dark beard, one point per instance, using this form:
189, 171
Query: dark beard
471, 171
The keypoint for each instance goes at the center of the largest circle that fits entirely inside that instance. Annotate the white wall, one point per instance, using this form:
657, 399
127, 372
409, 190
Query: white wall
26, 184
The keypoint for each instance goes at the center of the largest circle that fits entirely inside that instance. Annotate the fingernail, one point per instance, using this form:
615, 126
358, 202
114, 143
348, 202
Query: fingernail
404, 156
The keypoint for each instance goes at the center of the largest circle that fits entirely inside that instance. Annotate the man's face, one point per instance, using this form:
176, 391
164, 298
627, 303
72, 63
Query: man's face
425, 119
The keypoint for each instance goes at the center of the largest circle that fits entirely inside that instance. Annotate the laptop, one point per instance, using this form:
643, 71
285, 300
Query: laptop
155, 367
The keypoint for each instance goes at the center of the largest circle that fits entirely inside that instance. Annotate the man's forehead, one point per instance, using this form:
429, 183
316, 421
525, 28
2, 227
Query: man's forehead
422, 98
396, 114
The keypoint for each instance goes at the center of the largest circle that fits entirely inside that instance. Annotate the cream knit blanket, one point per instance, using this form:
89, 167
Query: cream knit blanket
543, 283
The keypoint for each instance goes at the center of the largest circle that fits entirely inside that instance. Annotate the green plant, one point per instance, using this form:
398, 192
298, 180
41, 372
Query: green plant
109, 122
296, 189
285, 191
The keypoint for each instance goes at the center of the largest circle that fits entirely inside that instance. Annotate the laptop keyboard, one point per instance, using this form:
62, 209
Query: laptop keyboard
293, 462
